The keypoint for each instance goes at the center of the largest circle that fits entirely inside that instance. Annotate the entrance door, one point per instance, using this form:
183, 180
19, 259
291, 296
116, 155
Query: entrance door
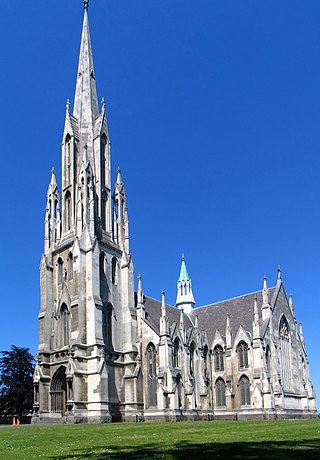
58, 392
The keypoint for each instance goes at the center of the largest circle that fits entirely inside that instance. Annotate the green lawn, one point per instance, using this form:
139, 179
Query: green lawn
291, 439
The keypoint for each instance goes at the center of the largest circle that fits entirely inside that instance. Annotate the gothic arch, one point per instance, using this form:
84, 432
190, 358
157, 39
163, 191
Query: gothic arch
192, 351
245, 394
151, 354
218, 358
285, 353
60, 270
107, 325
176, 353
220, 388
58, 391
179, 391
242, 350
70, 266
67, 211
64, 325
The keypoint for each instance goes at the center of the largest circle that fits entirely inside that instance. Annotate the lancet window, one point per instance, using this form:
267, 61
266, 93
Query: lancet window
220, 393
152, 375
242, 350
218, 358
285, 353
192, 358
176, 353
244, 384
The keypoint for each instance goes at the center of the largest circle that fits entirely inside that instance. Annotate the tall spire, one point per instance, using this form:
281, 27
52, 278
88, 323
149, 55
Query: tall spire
85, 100
184, 276
185, 299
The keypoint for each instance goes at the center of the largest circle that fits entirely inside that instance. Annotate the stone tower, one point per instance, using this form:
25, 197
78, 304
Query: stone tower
87, 358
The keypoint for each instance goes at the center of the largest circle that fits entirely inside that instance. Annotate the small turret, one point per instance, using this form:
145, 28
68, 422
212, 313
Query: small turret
52, 224
279, 279
120, 215
228, 332
185, 299
164, 322
255, 324
266, 307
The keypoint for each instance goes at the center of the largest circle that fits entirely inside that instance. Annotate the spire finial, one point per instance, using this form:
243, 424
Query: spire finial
85, 5
279, 274
53, 170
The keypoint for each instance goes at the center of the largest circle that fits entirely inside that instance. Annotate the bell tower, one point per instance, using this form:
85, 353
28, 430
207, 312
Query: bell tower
87, 357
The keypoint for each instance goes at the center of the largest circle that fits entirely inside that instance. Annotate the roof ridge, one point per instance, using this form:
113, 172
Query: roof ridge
157, 300
232, 298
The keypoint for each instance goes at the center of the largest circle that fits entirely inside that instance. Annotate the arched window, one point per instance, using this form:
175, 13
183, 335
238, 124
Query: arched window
179, 391
192, 358
285, 353
114, 270
68, 158
244, 384
58, 391
220, 393
268, 358
103, 144
60, 270
152, 375
70, 266
64, 326
104, 201
67, 203
206, 362
218, 358
107, 325
242, 350
176, 353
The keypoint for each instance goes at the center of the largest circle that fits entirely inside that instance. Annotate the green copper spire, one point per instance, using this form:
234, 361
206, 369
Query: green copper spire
183, 271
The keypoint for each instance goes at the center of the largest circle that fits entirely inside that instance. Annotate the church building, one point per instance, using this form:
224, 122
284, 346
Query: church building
107, 353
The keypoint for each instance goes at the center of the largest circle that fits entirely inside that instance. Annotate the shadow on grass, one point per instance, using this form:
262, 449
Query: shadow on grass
293, 450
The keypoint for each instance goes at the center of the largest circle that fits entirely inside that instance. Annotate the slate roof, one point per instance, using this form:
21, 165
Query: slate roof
153, 313
212, 317
240, 309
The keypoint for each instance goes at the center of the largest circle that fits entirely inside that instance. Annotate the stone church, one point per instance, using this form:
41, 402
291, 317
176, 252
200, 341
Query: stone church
108, 353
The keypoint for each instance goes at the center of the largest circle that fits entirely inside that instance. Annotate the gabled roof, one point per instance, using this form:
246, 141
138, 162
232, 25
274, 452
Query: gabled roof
153, 313
240, 310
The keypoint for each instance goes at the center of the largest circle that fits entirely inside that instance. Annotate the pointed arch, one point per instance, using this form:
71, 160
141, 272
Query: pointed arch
218, 358
58, 391
245, 397
104, 212
64, 329
107, 329
192, 358
67, 211
151, 353
60, 270
285, 353
70, 266
103, 145
67, 149
268, 358
242, 350
206, 367
220, 389
114, 273
176, 353
179, 391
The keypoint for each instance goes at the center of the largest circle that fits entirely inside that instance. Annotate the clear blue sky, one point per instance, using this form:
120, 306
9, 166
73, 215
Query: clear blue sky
214, 117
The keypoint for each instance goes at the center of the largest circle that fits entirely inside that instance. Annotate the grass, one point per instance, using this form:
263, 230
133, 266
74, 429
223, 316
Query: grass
272, 440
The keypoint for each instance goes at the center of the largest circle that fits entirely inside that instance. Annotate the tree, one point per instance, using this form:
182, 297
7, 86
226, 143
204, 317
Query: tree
16, 385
